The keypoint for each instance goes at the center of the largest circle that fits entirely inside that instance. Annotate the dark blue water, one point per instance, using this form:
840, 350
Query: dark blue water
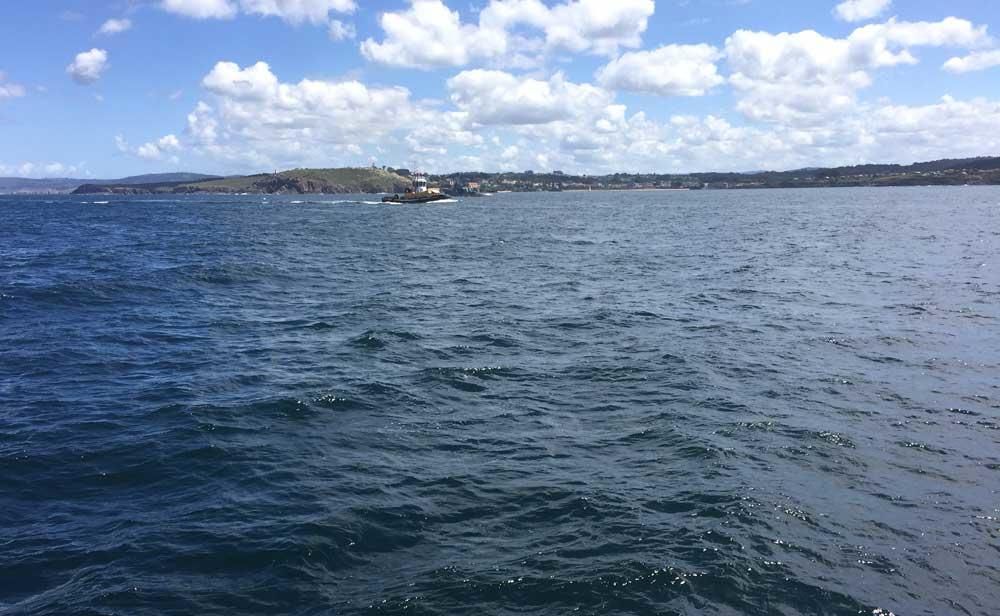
776, 402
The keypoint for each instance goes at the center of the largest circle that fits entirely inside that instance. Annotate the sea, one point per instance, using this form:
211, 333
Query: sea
774, 402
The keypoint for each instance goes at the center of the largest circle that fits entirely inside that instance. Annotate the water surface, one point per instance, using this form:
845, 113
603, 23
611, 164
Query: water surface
766, 403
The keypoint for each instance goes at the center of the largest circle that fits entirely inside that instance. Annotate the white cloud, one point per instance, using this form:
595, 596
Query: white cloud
556, 121
808, 77
429, 34
340, 31
500, 98
115, 26
976, 61
170, 142
88, 66
316, 12
671, 70
875, 42
498, 120
861, 10
152, 150
202, 125
254, 82
54, 169
201, 9
256, 119
149, 151
437, 131
41, 170
598, 25
948, 128
8, 89
877, 132
798, 96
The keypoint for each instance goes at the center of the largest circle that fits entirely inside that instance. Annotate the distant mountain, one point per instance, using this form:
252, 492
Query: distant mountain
159, 178
49, 185
65, 185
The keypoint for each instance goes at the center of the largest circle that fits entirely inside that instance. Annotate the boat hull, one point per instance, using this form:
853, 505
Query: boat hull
415, 198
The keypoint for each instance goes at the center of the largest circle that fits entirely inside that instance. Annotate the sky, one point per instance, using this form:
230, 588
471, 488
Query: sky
109, 88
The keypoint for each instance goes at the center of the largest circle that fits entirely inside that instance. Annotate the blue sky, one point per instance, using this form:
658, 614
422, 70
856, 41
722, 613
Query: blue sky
96, 88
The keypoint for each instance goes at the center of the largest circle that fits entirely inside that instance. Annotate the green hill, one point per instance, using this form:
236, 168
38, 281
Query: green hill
302, 181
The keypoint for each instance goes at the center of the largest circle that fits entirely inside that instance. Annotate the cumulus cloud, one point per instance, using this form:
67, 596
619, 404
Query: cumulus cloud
8, 89
877, 132
976, 61
861, 10
163, 147
255, 118
202, 124
201, 9
293, 11
573, 124
115, 26
582, 127
798, 96
40, 170
440, 131
498, 98
340, 31
671, 70
948, 128
155, 150
429, 34
807, 77
316, 12
596, 25
88, 66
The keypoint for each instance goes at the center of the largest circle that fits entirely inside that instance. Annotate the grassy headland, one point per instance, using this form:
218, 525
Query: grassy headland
295, 181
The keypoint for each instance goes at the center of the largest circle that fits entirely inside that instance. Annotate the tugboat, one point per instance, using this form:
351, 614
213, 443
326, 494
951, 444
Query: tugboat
418, 193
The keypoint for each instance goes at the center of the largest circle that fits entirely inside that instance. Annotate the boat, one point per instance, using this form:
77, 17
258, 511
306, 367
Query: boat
418, 193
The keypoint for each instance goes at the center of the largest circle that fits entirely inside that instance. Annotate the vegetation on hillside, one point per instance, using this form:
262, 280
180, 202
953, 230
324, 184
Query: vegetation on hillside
973, 171
301, 181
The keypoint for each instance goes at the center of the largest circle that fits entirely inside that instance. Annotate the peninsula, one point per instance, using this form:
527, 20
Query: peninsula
295, 181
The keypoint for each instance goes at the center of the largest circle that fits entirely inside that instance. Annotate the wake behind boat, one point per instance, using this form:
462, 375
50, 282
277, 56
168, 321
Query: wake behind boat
418, 193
